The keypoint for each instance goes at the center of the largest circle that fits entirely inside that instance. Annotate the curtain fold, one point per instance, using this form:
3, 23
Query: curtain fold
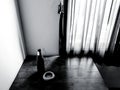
90, 25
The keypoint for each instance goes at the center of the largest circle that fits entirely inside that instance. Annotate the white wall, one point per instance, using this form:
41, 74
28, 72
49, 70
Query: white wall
41, 25
11, 57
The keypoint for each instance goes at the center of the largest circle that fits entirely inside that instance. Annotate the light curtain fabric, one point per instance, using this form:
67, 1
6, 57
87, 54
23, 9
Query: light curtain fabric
90, 25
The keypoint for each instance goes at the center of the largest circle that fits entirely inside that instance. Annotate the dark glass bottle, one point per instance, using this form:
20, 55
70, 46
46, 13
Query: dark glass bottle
40, 63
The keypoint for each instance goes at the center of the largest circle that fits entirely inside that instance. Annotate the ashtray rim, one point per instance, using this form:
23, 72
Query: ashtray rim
52, 75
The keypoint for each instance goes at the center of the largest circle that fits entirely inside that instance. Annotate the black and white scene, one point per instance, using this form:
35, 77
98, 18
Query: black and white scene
60, 45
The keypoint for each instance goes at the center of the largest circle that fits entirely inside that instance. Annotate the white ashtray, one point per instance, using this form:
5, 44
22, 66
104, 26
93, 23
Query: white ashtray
48, 75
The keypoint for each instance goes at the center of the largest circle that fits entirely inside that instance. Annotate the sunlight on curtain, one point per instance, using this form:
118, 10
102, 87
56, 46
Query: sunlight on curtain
112, 20
90, 25
79, 24
103, 35
108, 23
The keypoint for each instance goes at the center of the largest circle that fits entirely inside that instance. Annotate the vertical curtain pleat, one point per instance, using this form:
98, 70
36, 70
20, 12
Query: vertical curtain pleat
115, 33
68, 26
101, 12
80, 16
94, 31
87, 18
90, 25
112, 20
103, 35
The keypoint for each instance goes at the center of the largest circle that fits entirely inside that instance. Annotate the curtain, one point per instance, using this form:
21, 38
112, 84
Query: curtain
90, 25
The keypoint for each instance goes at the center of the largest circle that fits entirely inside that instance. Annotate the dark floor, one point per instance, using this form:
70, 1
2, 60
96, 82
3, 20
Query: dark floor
71, 74
111, 75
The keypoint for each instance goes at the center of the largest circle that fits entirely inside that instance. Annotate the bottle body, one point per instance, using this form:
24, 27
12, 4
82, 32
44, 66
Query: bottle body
40, 63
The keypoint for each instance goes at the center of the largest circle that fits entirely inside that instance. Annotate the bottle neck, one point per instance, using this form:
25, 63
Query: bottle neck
39, 53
